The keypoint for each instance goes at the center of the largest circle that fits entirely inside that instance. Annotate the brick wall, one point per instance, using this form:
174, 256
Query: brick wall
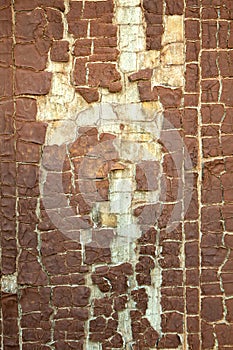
116, 160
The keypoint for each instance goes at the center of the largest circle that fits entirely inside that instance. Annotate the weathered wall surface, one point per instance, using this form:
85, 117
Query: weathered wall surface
116, 161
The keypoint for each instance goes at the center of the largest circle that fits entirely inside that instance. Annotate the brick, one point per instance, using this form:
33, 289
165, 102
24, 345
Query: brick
193, 324
144, 74
27, 236
174, 8
207, 336
223, 35
102, 74
225, 64
55, 28
60, 51
229, 306
210, 130
209, 64
213, 256
193, 341
212, 113
169, 341
192, 78
192, 12
230, 39
227, 147
224, 334
192, 29
82, 47
31, 4
10, 326
212, 309
32, 83
115, 86
146, 176
153, 7
174, 117
89, 94
6, 78
27, 175
193, 3
145, 91
227, 279
209, 13
104, 55
79, 73
30, 271
93, 10
152, 18
227, 10
172, 322
191, 231
75, 11
191, 100
210, 91
170, 97
27, 56
102, 30
192, 51
31, 132
6, 117
172, 278
28, 152
191, 253
172, 303
192, 298
226, 96
27, 24
7, 147
190, 121
5, 52
192, 148
211, 289
5, 22
78, 28
209, 33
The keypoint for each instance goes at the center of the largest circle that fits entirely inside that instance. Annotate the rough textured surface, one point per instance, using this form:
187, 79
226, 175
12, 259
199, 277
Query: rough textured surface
102, 105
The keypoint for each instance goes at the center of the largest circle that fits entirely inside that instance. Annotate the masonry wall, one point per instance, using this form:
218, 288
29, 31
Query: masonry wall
116, 174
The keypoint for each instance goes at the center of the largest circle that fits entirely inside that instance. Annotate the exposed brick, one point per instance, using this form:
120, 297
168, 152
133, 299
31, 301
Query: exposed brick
209, 33
31, 4
5, 52
170, 97
89, 94
192, 51
192, 29
192, 78
82, 47
60, 51
79, 73
102, 74
78, 28
5, 22
209, 64
32, 83
174, 8
210, 91
6, 77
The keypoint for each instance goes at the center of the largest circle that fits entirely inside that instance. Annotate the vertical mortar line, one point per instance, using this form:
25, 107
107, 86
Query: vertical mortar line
183, 204
16, 166
199, 168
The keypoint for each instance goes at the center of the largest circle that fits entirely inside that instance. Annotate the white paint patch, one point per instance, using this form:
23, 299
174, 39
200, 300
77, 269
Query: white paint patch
9, 284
